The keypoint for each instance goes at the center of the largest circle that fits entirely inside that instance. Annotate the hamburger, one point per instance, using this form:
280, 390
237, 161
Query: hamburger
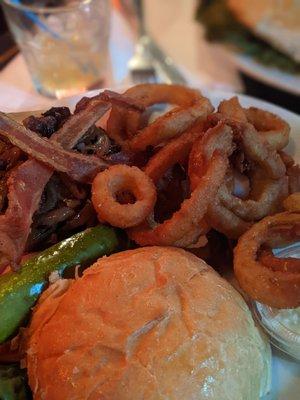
152, 323
268, 30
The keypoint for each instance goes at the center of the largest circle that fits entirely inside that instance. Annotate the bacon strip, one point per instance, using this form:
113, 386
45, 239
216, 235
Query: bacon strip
75, 127
121, 100
26, 185
78, 166
94, 108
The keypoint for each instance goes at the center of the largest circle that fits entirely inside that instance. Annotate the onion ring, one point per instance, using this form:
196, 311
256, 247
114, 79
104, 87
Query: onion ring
232, 109
225, 221
288, 264
259, 151
293, 174
270, 127
292, 203
170, 125
228, 213
270, 193
292, 171
274, 129
277, 288
175, 151
218, 138
186, 225
178, 150
114, 180
184, 228
286, 158
123, 125
218, 216
254, 146
232, 219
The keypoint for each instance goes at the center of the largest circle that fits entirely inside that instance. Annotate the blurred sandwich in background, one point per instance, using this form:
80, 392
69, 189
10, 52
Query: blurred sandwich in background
268, 30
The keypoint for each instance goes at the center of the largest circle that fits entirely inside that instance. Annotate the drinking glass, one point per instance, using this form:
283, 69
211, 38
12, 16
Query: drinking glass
64, 42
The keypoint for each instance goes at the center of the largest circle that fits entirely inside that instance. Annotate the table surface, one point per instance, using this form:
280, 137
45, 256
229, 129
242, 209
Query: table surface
171, 23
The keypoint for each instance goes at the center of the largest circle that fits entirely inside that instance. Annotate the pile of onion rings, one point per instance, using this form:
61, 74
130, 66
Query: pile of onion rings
238, 179
248, 141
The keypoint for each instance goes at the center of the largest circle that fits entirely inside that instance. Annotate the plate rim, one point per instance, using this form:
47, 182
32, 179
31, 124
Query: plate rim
256, 70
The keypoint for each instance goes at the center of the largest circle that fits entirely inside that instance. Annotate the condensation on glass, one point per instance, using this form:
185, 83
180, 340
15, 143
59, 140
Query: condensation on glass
65, 46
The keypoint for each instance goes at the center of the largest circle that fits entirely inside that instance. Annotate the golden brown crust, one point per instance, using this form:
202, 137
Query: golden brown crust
152, 323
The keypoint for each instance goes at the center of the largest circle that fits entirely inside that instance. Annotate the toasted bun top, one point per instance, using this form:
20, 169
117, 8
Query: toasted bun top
153, 323
278, 22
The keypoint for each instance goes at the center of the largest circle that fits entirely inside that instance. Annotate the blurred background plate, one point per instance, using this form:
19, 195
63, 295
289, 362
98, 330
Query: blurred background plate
271, 76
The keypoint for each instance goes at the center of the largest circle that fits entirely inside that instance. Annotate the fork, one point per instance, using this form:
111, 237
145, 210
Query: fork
149, 63
141, 66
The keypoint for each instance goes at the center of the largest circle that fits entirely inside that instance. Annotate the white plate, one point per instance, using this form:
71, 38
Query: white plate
271, 76
285, 371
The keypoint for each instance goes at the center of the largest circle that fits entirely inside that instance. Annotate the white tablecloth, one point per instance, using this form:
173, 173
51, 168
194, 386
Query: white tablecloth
171, 23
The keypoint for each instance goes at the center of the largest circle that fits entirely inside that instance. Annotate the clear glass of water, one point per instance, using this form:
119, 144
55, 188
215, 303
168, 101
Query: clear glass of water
64, 42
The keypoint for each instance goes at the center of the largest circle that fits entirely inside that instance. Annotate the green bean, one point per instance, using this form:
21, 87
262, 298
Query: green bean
20, 290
